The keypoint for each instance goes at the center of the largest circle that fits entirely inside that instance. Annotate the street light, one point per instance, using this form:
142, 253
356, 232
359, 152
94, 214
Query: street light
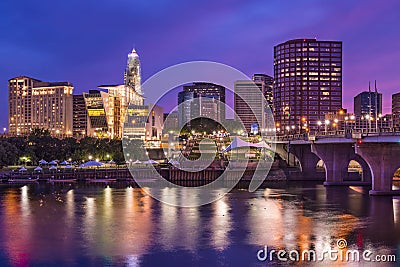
368, 118
327, 122
336, 121
319, 123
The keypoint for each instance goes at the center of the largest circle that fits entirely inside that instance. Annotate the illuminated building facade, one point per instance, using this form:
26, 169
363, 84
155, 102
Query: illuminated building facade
250, 106
37, 104
121, 95
396, 109
368, 103
308, 81
79, 116
212, 99
144, 122
96, 105
266, 81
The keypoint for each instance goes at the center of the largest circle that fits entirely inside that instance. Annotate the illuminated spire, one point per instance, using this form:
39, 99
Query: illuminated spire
132, 72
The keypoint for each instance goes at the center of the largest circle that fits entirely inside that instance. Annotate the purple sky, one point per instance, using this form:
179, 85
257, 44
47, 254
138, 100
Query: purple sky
86, 42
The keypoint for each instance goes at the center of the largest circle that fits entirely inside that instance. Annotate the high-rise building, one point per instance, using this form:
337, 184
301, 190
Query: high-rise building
188, 107
52, 107
37, 104
20, 104
249, 105
132, 76
308, 81
368, 103
79, 116
121, 95
396, 109
267, 82
97, 106
212, 96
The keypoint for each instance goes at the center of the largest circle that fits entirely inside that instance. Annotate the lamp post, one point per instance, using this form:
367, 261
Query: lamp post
327, 122
336, 124
319, 123
368, 118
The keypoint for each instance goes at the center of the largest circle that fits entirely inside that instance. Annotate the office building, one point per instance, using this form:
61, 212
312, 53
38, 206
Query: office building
396, 109
97, 105
368, 103
308, 81
79, 116
212, 99
188, 107
267, 82
250, 106
37, 104
145, 122
121, 95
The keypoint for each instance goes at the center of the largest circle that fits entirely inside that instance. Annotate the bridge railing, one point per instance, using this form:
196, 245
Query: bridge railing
349, 133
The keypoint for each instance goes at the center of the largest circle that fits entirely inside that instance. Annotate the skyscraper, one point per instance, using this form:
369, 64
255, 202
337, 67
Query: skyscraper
188, 108
267, 82
249, 105
79, 116
121, 95
37, 104
368, 103
308, 81
132, 76
201, 99
396, 109
20, 104
213, 92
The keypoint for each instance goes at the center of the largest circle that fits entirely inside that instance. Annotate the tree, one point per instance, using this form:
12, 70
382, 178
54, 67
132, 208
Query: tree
8, 153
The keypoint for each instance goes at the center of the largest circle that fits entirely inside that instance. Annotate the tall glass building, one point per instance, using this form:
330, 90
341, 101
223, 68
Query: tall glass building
308, 83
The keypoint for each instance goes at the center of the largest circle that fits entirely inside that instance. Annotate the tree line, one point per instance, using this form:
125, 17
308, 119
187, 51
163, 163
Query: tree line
39, 144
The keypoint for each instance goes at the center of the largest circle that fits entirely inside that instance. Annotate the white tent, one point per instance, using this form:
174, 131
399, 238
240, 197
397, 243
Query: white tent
262, 144
53, 162
150, 162
111, 162
22, 169
137, 162
38, 169
64, 162
53, 168
42, 161
91, 163
68, 167
238, 143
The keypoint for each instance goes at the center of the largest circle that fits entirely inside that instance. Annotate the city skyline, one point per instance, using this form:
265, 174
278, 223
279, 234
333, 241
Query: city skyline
91, 59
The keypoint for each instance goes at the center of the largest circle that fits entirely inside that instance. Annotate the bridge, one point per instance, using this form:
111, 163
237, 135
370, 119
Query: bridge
376, 152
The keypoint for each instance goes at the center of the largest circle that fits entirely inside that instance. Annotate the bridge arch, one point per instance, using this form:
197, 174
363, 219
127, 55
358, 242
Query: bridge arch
355, 162
383, 162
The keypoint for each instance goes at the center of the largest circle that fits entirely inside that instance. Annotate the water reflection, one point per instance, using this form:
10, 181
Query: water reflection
96, 225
